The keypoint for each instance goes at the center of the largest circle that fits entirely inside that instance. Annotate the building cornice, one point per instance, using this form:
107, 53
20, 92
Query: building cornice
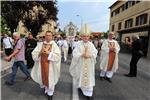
114, 4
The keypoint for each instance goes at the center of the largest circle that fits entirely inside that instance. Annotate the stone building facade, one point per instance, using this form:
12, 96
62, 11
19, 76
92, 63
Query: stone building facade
131, 17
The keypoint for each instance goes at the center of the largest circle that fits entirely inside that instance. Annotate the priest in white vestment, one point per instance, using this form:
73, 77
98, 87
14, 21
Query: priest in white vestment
75, 42
46, 70
83, 63
65, 48
109, 57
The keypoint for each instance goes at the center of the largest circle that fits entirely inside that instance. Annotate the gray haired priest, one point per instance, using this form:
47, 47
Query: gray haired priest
109, 57
83, 63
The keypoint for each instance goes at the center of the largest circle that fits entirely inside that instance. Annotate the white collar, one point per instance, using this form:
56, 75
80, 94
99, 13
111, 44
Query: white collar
110, 40
48, 42
85, 42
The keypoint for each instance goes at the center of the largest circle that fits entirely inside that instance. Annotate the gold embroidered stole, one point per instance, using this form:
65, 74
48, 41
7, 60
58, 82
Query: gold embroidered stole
112, 55
85, 76
46, 49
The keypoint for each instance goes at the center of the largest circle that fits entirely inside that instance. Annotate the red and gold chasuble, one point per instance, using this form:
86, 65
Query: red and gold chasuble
46, 49
112, 55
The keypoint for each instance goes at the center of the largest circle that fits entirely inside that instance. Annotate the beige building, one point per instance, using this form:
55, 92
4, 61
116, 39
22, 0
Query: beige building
49, 26
131, 17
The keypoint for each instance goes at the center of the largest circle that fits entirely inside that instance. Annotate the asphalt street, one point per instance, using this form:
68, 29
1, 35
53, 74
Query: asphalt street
121, 88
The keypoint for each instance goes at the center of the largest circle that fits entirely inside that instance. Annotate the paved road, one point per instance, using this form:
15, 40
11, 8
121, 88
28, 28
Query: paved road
122, 88
31, 91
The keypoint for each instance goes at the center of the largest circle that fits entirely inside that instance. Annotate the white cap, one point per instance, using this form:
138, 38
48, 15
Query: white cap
85, 30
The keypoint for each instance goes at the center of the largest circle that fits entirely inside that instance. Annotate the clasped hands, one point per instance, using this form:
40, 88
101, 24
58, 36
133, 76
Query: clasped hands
112, 49
85, 55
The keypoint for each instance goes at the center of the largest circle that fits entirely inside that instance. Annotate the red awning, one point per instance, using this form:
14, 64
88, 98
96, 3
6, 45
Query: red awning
96, 33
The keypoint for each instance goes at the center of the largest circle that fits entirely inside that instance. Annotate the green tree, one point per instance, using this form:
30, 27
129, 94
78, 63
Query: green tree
106, 34
4, 28
78, 33
33, 14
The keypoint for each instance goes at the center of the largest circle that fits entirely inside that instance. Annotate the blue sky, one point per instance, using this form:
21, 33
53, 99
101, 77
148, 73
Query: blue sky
93, 12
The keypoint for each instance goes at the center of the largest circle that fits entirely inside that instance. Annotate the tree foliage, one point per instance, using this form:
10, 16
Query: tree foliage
4, 28
32, 13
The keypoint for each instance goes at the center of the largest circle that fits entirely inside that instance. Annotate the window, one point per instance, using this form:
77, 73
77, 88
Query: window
116, 11
133, 3
111, 14
128, 23
119, 26
126, 5
129, 3
113, 27
142, 19
123, 7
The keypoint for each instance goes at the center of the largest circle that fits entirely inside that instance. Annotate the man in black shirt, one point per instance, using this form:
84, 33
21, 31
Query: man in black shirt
30, 44
136, 55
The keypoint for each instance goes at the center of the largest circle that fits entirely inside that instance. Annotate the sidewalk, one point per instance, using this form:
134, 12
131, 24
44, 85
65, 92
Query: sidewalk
5, 67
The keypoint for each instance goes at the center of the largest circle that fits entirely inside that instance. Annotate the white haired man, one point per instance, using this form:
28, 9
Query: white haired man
19, 56
109, 57
136, 55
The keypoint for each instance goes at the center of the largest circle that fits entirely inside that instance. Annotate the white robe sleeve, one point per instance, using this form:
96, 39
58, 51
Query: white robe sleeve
36, 52
50, 57
77, 52
54, 55
117, 48
65, 44
105, 46
93, 51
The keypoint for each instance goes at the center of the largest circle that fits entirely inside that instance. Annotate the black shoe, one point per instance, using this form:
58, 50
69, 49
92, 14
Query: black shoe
9, 83
101, 78
50, 97
134, 75
90, 98
108, 79
129, 75
29, 67
27, 78
79, 90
